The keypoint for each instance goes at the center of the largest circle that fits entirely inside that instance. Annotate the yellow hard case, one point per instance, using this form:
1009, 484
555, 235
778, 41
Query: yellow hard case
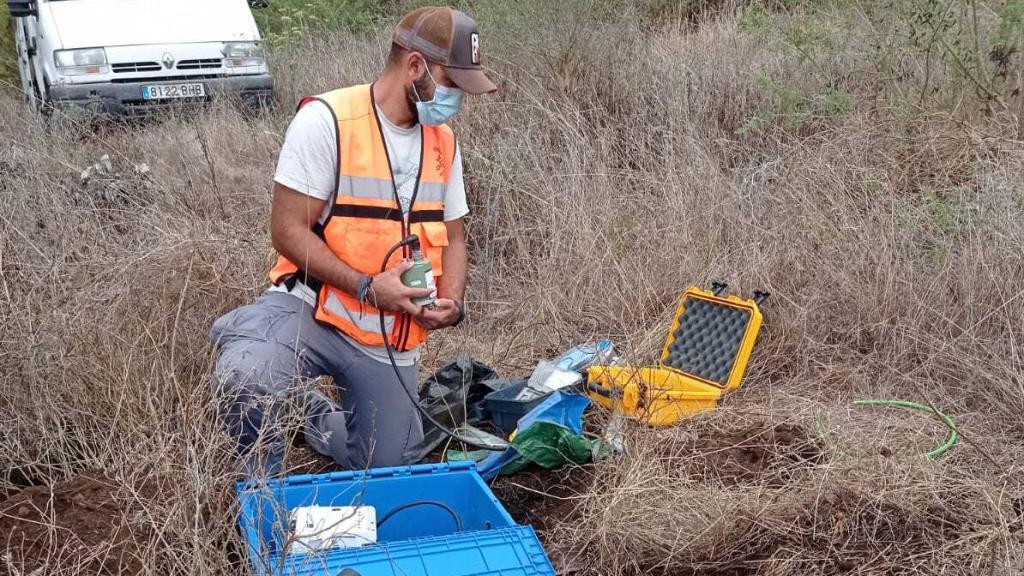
686, 380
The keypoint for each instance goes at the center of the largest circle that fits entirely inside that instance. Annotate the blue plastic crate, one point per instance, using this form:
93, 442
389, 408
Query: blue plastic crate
419, 541
504, 552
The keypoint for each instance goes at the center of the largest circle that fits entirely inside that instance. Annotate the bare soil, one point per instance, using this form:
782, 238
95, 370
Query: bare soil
543, 499
87, 515
765, 455
756, 455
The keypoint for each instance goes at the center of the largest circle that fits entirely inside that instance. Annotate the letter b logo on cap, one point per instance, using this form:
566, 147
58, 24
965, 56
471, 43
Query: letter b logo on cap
474, 40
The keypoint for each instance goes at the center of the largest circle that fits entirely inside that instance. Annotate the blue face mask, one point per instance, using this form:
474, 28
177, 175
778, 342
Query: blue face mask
445, 103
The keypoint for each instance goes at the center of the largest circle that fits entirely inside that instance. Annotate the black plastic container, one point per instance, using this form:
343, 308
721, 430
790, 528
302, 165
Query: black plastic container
505, 411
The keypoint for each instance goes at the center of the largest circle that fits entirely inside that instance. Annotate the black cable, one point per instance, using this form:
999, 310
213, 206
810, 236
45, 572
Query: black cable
414, 503
401, 381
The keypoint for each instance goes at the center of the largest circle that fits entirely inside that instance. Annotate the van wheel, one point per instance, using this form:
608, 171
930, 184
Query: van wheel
33, 100
41, 103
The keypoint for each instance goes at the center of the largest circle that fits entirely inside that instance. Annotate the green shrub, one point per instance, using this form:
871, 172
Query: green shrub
284, 21
8, 55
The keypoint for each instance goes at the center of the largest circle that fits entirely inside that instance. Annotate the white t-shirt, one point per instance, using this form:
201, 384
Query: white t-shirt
307, 164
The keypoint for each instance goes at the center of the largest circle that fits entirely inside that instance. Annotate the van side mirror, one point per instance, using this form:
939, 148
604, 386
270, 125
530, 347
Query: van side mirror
22, 8
259, 3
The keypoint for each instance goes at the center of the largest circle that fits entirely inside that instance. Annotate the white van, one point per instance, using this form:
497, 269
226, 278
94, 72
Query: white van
125, 56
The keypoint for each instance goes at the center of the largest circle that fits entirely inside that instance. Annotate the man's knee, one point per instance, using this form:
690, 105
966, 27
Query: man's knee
388, 444
250, 388
270, 318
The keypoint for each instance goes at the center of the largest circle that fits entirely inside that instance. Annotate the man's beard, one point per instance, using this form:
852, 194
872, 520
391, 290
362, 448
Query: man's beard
422, 84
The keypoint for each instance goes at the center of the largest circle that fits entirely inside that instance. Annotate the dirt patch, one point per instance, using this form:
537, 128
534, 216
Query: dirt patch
838, 530
84, 525
543, 497
802, 528
304, 460
767, 455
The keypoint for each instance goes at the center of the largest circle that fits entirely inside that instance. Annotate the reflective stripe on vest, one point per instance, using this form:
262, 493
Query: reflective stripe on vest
377, 189
365, 220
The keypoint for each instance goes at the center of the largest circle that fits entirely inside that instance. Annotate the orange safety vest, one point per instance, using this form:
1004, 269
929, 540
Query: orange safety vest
366, 219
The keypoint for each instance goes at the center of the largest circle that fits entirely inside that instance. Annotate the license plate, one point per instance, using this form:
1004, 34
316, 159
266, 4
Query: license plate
165, 91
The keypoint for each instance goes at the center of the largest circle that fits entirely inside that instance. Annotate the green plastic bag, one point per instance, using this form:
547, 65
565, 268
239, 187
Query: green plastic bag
545, 444
551, 445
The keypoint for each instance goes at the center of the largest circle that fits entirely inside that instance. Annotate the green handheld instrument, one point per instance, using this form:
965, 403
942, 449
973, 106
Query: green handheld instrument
421, 275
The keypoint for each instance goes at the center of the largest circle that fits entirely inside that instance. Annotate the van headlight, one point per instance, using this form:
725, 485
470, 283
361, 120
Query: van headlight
81, 62
243, 54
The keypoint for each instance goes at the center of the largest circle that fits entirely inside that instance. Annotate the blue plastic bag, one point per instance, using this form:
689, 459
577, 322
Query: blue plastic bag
559, 408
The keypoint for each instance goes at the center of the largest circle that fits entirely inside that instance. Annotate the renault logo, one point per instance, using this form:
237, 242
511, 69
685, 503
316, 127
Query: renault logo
168, 60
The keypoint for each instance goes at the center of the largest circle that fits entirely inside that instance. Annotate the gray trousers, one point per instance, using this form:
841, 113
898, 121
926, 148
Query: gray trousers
268, 354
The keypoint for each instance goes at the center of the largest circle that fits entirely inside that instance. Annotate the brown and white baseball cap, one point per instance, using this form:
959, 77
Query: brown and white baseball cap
450, 38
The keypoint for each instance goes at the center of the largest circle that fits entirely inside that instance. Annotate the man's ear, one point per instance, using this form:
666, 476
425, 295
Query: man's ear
414, 65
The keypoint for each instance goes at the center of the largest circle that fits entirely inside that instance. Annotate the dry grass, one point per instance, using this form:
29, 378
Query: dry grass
620, 164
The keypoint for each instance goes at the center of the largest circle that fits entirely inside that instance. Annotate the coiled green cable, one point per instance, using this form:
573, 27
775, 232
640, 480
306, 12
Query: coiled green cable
946, 419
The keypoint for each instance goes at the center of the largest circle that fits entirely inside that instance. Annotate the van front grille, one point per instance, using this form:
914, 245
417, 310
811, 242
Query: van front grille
123, 67
166, 79
200, 64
